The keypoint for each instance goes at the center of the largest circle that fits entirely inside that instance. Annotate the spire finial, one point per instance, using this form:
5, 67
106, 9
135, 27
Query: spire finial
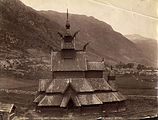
67, 21
67, 14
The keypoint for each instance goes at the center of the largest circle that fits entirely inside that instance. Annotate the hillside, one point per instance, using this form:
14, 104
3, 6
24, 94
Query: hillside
25, 37
147, 45
33, 33
23, 28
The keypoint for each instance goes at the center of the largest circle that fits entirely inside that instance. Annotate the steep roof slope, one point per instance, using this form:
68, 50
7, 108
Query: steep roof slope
83, 91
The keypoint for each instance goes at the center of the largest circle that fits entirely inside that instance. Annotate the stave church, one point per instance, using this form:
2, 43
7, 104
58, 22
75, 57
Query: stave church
77, 83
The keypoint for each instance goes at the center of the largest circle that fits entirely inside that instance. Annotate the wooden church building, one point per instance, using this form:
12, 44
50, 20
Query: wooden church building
76, 82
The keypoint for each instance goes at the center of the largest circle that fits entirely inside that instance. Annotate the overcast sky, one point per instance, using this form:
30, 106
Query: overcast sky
125, 16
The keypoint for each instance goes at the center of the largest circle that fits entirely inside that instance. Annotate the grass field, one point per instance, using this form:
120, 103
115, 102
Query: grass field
12, 82
136, 82
137, 85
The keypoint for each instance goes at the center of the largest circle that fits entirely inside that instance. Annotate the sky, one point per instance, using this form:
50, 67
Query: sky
125, 16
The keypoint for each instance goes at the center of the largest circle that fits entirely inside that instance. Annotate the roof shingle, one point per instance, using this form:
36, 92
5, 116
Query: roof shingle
6, 107
110, 97
99, 84
95, 66
76, 64
78, 84
51, 100
89, 99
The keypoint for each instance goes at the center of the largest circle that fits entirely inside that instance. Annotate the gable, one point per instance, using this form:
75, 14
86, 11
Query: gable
79, 85
51, 100
70, 96
60, 85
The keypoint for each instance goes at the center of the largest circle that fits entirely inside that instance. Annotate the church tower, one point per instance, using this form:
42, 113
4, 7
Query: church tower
68, 40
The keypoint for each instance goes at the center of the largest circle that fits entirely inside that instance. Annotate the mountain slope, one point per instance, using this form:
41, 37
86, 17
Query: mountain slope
23, 28
147, 45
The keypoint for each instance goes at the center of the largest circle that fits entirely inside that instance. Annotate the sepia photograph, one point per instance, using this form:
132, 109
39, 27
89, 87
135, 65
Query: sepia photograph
78, 59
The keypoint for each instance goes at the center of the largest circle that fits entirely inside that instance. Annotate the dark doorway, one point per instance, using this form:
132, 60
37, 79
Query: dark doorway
70, 104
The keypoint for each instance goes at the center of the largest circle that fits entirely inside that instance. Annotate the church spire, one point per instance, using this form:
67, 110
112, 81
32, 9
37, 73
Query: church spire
67, 14
67, 21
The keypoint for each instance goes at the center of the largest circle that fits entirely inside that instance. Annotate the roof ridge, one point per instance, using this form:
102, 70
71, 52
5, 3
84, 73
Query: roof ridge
69, 84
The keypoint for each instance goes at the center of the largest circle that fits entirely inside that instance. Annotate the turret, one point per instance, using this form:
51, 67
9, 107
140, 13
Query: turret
68, 41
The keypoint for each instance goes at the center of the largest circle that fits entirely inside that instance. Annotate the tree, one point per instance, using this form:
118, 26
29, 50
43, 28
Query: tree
141, 67
120, 65
130, 65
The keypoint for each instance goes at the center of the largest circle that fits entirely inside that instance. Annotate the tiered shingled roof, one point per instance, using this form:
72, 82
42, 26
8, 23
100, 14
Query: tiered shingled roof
84, 91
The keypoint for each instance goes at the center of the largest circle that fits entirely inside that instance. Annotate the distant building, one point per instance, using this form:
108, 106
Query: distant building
7, 111
76, 82
148, 72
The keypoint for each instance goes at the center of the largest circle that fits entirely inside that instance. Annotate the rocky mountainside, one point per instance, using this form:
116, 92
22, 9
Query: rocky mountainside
148, 46
26, 30
21, 27
26, 38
